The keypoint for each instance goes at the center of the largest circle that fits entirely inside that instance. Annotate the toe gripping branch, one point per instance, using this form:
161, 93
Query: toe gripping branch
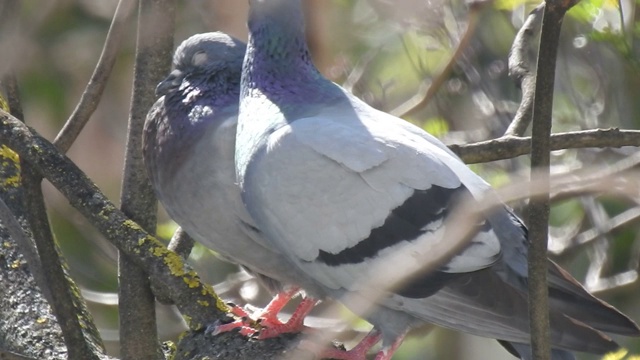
265, 323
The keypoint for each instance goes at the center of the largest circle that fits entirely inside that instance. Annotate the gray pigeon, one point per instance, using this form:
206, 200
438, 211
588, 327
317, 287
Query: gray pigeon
188, 147
340, 187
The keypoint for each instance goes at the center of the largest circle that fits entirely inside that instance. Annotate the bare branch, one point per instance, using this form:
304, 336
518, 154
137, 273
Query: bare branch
181, 243
508, 147
191, 296
79, 332
66, 306
624, 219
538, 212
424, 96
18, 283
358, 71
522, 70
138, 330
93, 92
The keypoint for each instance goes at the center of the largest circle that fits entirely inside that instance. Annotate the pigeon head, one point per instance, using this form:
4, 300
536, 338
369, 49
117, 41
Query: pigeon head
203, 55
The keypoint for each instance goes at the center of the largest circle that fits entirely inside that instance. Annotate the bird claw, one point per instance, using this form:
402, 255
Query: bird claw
273, 327
242, 324
265, 323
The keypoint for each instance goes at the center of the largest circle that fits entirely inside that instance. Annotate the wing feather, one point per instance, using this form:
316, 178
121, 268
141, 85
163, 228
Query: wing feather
361, 173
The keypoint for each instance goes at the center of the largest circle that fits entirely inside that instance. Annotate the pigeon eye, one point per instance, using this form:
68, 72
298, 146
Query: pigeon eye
199, 58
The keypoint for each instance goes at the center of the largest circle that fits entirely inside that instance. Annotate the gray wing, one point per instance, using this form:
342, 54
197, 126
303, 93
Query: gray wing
339, 195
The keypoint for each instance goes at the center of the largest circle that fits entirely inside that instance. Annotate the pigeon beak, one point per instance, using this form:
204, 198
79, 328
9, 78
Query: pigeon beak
170, 82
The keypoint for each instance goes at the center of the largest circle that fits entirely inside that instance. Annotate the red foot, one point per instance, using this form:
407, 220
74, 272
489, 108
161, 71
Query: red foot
267, 318
295, 324
241, 324
269, 315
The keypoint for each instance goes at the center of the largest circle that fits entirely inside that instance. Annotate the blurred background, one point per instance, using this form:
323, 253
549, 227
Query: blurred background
388, 52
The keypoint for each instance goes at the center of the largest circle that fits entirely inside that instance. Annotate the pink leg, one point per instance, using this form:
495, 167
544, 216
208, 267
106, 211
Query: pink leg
245, 330
359, 352
293, 325
269, 315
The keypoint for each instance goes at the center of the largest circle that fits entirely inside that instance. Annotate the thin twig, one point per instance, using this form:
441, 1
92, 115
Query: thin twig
624, 219
356, 74
424, 96
508, 147
93, 92
522, 69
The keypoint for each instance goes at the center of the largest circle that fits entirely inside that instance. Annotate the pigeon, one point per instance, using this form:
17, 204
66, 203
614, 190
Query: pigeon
339, 188
188, 149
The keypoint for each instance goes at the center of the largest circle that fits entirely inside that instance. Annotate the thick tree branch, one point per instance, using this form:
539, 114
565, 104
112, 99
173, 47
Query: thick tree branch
196, 301
508, 147
64, 303
138, 334
80, 334
23, 303
182, 244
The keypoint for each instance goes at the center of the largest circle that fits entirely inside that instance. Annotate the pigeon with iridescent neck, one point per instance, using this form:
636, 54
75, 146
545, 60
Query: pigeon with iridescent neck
341, 189
189, 139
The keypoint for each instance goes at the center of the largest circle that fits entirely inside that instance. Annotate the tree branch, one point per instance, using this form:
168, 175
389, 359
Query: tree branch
195, 300
79, 331
522, 71
66, 306
138, 334
181, 243
508, 147
23, 302
422, 99
538, 212
93, 92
